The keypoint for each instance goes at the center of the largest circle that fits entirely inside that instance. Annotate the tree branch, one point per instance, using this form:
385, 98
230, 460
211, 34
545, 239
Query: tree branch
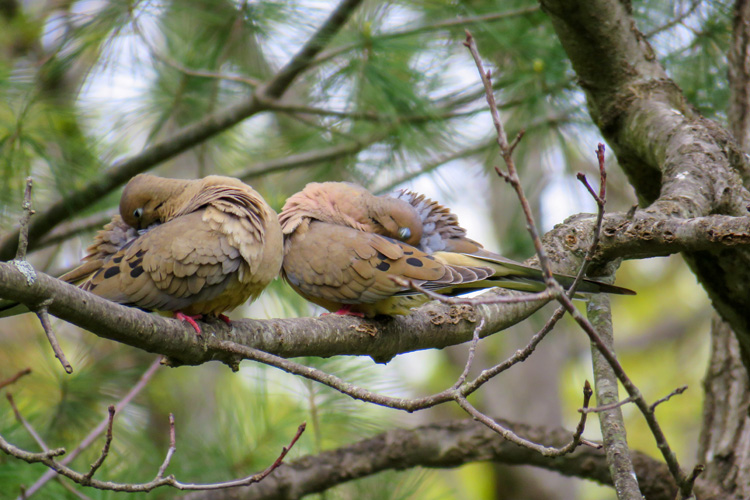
443, 445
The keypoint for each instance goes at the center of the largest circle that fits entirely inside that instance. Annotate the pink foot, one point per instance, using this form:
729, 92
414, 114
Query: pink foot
346, 311
225, 319
190, 320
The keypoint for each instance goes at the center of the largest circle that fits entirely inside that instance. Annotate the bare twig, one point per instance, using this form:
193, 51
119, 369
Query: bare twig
105, 451
13, 379
470, 357
512, 175
607, 407
601, 346
666, 398
43, 316
170, 451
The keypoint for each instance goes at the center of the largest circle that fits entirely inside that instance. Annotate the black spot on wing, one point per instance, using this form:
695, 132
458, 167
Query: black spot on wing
381, 256
117, 259
383, 266
408, 252
111, 272
140, 253
135, 263
136, 272
413, 261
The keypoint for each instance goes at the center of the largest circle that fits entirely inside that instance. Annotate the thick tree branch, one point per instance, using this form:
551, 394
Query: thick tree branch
185, 138
432, 326
443, 445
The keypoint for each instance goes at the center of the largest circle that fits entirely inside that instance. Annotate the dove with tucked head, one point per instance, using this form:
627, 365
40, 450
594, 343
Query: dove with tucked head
192, 247
343, 245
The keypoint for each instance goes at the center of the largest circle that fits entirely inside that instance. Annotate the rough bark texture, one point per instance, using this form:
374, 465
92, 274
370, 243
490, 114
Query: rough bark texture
725, 436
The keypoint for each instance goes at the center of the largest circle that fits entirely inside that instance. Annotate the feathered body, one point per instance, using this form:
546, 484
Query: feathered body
195, 246
343, 245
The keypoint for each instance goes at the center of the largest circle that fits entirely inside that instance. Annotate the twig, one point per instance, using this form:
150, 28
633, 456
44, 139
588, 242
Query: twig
666, 398
170, 451
246, 80
686, 493
47, 458
43, 316
105, 451
512, 175
611, 420
13, 379
89, 439
511, 436
32, 432
607, 407
470, 357
23, 236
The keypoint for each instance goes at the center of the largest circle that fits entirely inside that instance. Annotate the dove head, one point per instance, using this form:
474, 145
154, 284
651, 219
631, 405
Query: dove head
148, 199
396, 219
350, 205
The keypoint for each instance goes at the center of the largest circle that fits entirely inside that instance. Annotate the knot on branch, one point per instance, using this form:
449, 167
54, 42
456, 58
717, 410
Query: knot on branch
454, 315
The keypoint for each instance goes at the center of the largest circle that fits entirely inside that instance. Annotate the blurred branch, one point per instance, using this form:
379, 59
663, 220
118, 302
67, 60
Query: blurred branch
298, 160
185, 138
69, 230
677, 20
464, 22
25, 423
13, 379
96, 431
442, 445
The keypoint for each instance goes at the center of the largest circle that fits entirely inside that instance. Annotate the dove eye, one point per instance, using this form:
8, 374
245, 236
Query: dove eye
138, 213
404, 233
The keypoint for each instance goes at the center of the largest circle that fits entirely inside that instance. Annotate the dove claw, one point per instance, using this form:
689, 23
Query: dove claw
190, 320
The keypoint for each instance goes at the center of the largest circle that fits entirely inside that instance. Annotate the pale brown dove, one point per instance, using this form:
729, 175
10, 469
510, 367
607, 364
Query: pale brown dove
343, 245
192, 247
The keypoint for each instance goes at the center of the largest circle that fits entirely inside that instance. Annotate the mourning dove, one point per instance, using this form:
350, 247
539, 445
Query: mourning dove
343, 246
192, 247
